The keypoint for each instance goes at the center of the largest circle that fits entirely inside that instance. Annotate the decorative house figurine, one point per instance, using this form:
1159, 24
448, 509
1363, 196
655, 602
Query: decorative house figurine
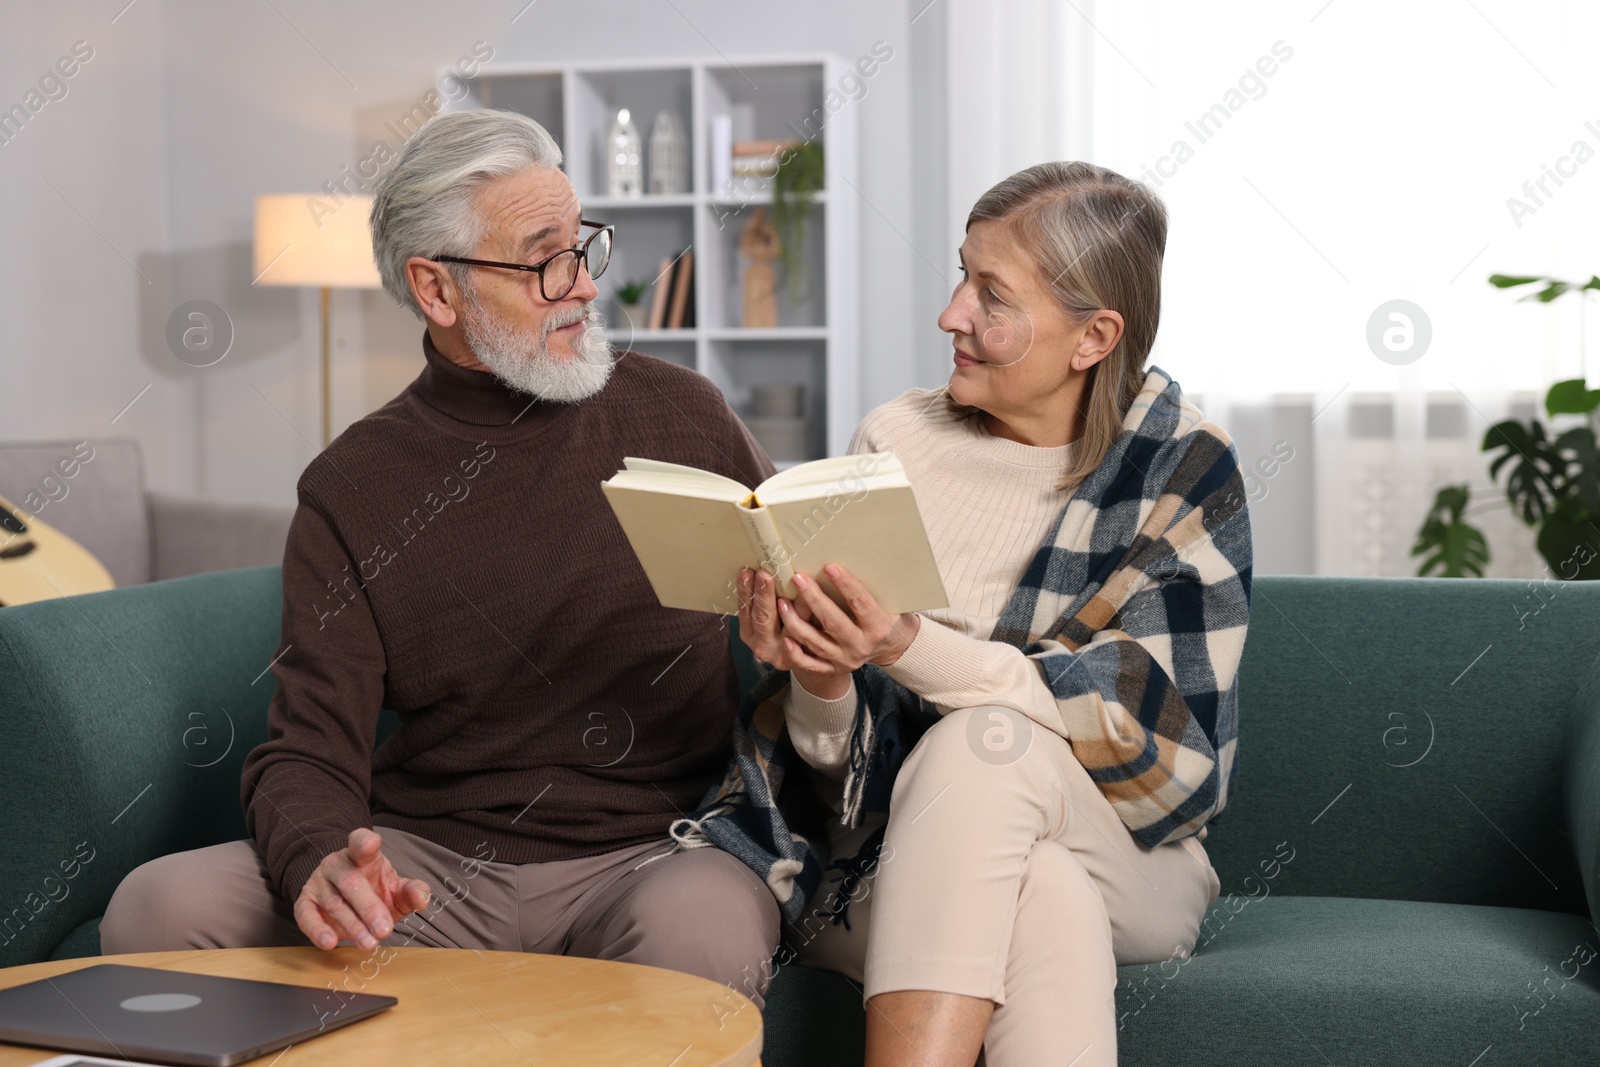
624, 173
669, 155
758, 243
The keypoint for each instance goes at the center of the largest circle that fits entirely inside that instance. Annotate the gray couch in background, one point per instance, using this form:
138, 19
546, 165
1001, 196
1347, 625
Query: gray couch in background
93, 491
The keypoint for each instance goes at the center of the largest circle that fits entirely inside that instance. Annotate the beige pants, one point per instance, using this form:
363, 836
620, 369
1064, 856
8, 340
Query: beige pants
1004, 873
702, 912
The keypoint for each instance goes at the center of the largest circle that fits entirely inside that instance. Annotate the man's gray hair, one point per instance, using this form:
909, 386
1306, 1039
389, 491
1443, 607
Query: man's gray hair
426, 204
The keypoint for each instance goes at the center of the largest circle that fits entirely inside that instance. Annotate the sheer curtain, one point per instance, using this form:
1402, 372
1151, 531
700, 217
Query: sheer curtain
1319, 161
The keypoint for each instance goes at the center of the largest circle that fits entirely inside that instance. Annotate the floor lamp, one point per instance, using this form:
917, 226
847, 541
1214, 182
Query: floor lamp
312, 240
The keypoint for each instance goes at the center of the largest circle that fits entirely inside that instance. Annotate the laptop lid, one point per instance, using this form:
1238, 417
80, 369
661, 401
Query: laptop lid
173, 1016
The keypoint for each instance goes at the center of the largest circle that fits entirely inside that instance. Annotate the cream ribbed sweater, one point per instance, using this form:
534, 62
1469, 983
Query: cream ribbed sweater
988, 503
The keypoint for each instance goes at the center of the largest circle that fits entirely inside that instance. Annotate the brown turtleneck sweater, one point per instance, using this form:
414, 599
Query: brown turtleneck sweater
453, 558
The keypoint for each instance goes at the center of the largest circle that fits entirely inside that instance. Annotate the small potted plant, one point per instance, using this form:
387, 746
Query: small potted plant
799, 177
630, 303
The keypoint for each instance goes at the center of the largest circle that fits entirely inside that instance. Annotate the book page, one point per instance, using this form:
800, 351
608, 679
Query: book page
691, 547
731, 488
815, 470
875, 534
836, 474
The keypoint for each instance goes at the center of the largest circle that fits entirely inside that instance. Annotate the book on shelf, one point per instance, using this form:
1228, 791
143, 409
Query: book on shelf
772, 148
693, 530
658, 299
681, 314
759, 159
754, 168
721, 155
672, 302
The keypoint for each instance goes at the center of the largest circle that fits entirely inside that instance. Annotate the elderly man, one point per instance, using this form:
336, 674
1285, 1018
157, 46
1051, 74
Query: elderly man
453, 558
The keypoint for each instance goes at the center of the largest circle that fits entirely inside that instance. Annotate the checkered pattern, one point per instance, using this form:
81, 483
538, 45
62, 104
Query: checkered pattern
1134, 608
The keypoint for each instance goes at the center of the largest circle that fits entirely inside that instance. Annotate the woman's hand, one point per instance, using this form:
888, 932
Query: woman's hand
760, 628
834, 640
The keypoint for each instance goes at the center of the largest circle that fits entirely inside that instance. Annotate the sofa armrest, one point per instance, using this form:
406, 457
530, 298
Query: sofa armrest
1581, 787
126, 717
189, 535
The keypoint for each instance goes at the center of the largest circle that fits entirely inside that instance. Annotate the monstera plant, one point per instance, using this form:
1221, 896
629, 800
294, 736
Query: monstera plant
1551, 480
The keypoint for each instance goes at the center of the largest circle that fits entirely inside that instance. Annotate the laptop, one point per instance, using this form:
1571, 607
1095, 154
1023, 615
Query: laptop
144, 1013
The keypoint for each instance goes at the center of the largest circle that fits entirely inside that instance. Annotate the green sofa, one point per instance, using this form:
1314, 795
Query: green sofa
1409, 867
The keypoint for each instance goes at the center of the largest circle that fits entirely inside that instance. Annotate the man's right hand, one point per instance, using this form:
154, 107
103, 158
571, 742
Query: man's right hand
761, 629
355, 893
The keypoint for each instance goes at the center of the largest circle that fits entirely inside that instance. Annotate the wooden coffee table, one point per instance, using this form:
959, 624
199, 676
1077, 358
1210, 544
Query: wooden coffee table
462, 1006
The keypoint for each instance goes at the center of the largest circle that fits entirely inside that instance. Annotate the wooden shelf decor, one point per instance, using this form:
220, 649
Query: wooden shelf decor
774, 99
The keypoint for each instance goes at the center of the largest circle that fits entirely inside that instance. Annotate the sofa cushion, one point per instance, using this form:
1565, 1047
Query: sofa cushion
813, 1017
101, 506
1306, 980
1316, 980
83, 941
190, 535
1407, 738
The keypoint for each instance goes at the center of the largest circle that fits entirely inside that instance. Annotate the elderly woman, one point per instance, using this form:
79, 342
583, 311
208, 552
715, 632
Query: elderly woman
1019, 783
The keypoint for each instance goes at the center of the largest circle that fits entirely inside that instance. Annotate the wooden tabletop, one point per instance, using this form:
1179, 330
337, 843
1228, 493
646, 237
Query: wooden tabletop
462, 1006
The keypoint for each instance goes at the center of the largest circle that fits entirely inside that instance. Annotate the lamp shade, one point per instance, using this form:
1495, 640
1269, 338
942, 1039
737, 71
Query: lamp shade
304, 239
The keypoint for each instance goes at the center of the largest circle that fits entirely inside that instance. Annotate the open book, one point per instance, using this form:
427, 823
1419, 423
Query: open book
693, 530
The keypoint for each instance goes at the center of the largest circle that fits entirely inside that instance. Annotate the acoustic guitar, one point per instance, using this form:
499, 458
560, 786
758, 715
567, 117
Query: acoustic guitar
38, 562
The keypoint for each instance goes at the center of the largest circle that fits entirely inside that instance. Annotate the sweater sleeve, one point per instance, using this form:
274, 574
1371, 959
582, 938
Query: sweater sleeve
820, 728
952, 670
307, 786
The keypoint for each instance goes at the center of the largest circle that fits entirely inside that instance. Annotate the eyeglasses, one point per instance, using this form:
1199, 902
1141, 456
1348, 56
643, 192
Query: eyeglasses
559, 273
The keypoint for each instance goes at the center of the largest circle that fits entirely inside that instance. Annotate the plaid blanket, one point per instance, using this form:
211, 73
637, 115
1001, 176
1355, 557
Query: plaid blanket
1134, 608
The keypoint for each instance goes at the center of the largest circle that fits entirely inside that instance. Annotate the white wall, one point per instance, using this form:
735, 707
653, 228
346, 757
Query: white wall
191, 108
84, 215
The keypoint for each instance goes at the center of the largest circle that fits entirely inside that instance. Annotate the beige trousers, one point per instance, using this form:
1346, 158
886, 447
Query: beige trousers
1004, 873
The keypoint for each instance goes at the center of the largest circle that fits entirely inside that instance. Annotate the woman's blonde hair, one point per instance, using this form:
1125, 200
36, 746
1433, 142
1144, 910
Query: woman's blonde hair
1098, 238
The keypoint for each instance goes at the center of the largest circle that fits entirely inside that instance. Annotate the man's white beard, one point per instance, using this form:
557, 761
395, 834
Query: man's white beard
524, 362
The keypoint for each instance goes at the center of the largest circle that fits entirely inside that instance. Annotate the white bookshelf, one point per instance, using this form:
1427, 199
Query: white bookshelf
816, 341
